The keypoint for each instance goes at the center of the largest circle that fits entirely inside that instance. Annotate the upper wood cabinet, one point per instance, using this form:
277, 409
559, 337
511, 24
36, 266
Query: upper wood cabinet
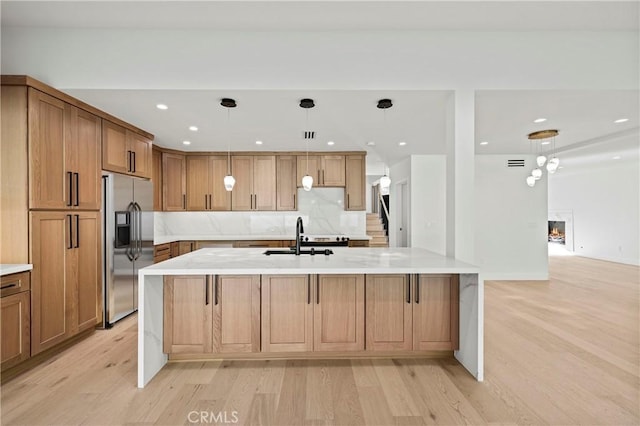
355, 183
435, 312
388, 312
124, 151
255, 187
326, 170
205, 183
65, 280
286, 187
174, 187
64, 155
156, 178
338, 323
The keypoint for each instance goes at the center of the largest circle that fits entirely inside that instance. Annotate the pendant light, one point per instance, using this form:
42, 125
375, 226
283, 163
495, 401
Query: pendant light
229, 180
552, 164
384, 104
307, 180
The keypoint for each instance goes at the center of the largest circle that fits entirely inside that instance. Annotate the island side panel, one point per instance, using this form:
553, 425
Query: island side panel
151, 358
471, 352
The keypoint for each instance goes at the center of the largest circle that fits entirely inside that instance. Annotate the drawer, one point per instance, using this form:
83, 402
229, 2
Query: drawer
162, 249
161, 258
15, 283
358, 243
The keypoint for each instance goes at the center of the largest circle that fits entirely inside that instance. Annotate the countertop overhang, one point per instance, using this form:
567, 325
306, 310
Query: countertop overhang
14, 268
224, 238
245, 261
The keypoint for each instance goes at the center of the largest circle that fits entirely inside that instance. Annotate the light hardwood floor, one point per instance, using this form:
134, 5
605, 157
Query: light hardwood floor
557, 352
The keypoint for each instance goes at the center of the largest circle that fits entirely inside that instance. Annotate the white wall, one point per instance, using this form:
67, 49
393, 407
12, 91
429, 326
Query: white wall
428, 193
605, 204
511, 220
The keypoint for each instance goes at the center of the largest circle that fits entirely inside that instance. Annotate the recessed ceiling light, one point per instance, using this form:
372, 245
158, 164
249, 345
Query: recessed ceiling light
371, 143
162, 106
193, 128
402, 143
621, 120
331, 143
484, 143
539, 120
617, 157
545, 143
186, 143
258, 142
560, 167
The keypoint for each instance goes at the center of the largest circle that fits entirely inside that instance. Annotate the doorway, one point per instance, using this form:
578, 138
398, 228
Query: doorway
402, 210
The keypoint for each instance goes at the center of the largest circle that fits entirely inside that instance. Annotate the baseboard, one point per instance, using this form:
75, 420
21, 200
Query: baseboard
623, 261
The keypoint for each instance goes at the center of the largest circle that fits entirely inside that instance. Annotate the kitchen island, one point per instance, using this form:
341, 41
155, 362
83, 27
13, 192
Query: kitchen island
409, 265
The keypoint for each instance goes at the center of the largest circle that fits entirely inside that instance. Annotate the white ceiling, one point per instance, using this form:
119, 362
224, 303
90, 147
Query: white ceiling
347, 117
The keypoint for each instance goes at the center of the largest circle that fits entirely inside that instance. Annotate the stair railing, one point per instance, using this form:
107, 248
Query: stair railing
385, 210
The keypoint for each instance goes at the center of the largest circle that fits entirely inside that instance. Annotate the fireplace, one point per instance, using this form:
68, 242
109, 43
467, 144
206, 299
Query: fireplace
557, 231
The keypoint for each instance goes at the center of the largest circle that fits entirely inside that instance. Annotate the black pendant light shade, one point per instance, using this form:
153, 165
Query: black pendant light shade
228, 102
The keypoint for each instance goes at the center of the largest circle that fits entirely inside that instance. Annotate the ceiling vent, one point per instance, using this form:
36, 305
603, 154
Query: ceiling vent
309, 135
515, 163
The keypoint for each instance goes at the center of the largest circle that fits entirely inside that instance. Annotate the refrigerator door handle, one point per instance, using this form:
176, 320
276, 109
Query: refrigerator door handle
132, 234
138, 230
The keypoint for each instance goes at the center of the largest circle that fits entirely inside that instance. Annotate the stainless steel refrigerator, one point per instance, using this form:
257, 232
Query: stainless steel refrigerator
128, 242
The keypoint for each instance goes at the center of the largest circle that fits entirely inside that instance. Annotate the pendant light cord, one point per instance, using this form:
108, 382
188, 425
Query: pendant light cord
228, 143
307, 140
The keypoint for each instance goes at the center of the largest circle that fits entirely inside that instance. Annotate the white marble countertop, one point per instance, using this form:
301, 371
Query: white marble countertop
14, 268
344, 261
171, 238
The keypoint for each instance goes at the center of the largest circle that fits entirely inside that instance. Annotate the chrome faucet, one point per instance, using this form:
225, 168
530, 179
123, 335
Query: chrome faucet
299, 230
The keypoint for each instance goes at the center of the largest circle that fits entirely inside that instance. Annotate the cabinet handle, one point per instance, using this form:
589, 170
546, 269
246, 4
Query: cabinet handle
318, 176
210, 203
70, 175
133, 153
317, 290
128, 161
323, 177
408, 288
205, 202
348, 204
294, 201
309, 289
255, 201
215, 291
70, 246
417, 288
206, 289
9, 286
184, 201
77, 179
77, 231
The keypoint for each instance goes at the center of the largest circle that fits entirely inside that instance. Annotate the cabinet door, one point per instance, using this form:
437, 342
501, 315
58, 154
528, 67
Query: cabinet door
156, 178
115, 149
286, 188
185, 247
50, 177
174, 186
311, 167
388, 313
333, 170
85, 148
88, 281
287, 313
140, 148
236, 313
242, 194
264, 182
51, 254
15, 335
355, 183
435, 313
187, 314
220, 197
338, 323
198, 182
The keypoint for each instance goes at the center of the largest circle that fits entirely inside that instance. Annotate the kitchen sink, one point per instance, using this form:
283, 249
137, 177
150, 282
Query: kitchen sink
312, 252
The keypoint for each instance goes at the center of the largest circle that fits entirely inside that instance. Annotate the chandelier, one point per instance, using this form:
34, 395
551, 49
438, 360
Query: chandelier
546, 137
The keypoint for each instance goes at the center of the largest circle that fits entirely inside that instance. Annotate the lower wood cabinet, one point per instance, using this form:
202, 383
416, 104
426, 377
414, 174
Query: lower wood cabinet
66, 276
15, 327
205, 314
412, 316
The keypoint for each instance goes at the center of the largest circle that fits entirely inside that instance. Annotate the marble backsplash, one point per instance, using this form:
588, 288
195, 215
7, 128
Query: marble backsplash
321, 209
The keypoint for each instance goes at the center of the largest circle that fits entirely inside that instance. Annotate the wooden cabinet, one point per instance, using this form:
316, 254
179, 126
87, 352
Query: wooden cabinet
286, 187
435, 312
15, 334
156, 178
388, 313
338, 323
124, 151
326, 170
174, 186
64, 155
255, 187
258, 243
212, 314
161, 252
14, 194
185, 247
65, 253
188, 313
355, 183
205, 183
287, 313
